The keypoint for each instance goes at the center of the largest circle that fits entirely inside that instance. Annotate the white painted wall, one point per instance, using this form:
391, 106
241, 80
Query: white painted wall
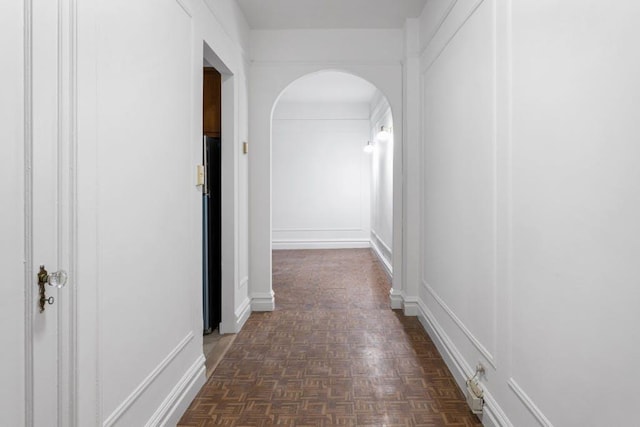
12, 213
321, 176
530, 203
382, 182
139, 221
281, 57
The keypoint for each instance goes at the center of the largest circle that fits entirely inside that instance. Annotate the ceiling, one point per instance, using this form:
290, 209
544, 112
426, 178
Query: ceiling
329, 86
309, 14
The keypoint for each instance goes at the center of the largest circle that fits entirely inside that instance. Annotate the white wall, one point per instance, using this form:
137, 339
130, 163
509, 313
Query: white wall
321, 176
139, 212
529, 200
278, 59
13, 323
382, 182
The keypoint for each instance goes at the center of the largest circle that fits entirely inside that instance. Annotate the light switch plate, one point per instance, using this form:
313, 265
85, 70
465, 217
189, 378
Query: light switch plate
199, 175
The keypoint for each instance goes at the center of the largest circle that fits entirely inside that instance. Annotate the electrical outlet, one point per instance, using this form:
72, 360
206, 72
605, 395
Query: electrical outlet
474, 397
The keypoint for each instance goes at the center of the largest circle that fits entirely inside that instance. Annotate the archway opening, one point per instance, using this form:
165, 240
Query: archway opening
332, 156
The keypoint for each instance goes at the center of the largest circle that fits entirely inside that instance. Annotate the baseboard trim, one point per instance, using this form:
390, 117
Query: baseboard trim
320, 244
157, 371
386, 265
411, 307
493, 415
242, 314
475, 341
180, 397
397, 299
263, 302
528, 403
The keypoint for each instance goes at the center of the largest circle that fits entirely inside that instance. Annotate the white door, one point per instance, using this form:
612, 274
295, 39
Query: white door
35, 213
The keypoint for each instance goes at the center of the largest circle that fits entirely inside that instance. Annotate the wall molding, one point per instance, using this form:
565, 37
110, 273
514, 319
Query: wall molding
243, 52
441, 21
475, 341
382, 243
181, 396
379, 108
243, 283
459, 367
493, 416
411, 306
528, 403
282, 244
294, 229
184, 8
263, 301
28, 212
458, 15
141, 388
396, 299
67, 209
325, 64
386, 264
242, 314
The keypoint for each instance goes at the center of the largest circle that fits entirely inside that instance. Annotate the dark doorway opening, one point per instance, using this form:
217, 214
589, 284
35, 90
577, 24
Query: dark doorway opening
212, 203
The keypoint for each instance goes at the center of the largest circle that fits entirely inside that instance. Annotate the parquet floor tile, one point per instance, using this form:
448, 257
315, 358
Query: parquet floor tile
332, 354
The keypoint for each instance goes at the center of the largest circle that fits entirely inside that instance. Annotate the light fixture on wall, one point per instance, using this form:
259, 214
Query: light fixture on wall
368, 148
384, 134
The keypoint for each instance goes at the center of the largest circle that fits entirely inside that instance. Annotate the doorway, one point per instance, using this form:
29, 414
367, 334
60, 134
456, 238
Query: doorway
212, 201
338, 119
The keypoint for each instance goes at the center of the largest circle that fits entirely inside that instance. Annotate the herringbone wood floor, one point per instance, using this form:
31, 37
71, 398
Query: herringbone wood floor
332, 353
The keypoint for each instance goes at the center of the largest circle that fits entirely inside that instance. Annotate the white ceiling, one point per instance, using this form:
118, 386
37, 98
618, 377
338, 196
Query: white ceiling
305, 14
329, 86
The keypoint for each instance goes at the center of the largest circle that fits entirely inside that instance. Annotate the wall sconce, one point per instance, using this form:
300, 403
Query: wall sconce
368, 148
384, 134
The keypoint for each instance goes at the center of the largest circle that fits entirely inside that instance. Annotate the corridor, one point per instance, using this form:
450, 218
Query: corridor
332, 353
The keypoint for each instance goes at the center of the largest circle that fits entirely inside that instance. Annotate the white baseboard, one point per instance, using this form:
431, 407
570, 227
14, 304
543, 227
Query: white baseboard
263, 302
397, 300
242, 314
146, 383
386, 264
411, 307
179, 399
320, 244
493, 415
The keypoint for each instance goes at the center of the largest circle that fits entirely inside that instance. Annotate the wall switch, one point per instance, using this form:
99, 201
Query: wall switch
199, 175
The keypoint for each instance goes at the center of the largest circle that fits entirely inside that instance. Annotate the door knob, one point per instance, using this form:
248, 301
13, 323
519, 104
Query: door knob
57, 279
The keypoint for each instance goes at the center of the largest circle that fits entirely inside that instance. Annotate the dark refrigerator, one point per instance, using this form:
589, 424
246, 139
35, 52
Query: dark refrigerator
212, 235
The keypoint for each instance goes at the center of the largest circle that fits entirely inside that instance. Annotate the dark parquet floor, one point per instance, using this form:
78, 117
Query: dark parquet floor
332, 353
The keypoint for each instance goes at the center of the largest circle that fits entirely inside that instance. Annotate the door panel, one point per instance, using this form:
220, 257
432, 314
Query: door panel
34, 189
45, 240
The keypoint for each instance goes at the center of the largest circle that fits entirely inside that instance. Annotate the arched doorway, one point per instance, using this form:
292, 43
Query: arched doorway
270, 88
